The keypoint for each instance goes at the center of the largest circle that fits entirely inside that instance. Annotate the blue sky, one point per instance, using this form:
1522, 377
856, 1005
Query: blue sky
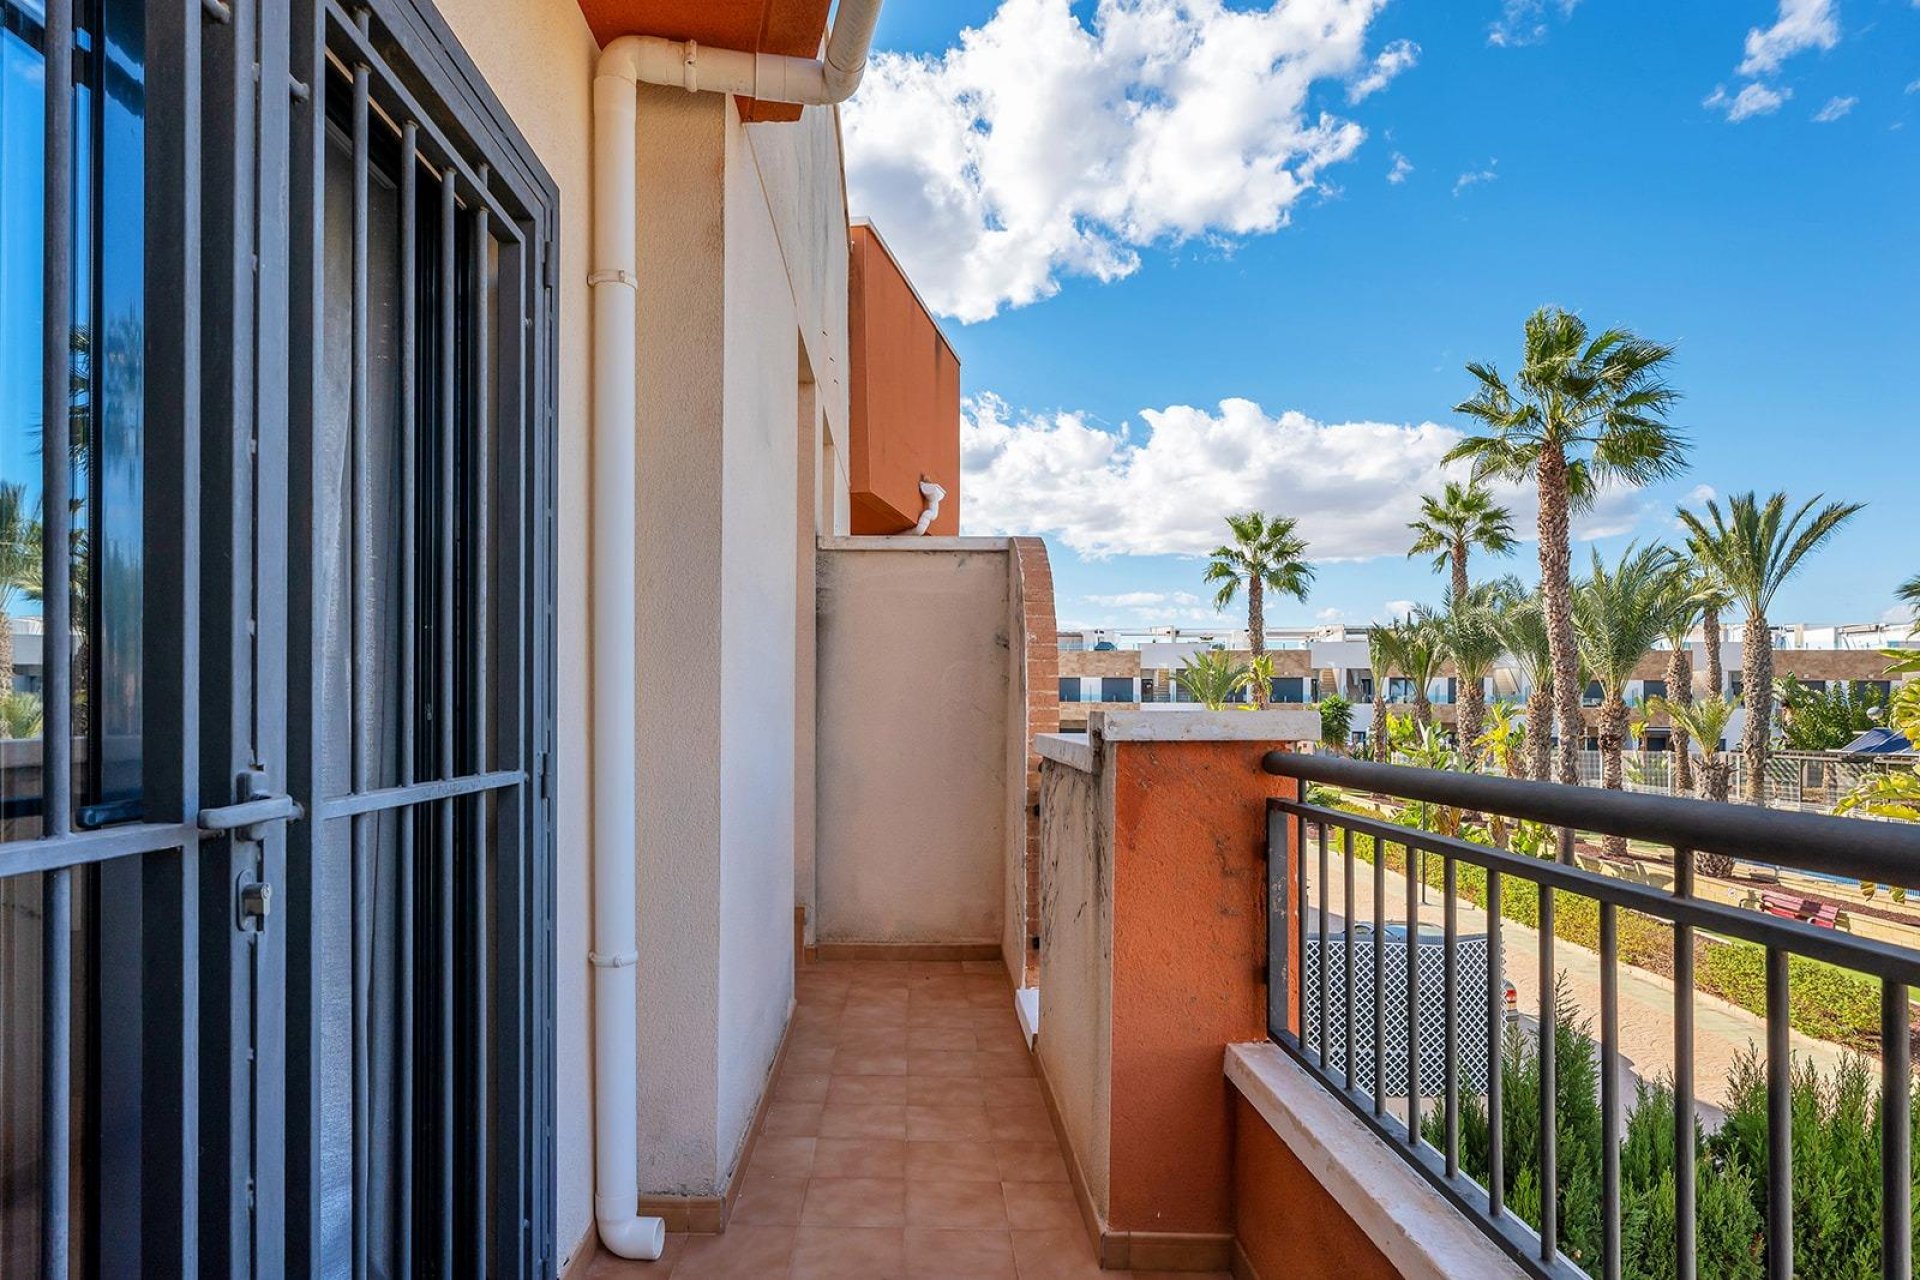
1584, 155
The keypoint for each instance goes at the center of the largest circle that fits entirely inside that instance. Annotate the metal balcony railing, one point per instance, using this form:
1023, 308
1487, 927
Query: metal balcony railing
1444, 997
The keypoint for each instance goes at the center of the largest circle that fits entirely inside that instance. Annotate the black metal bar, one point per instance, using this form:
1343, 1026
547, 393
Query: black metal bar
1883, 852
449, 421
386, 799
1549, 1086
1298, 852
1413, 993
1379, 1001
1346, 1063
406, 904
1779, 1121
1896, 1135
1866, 955
1496, 1052
1450, 970
359, 556
57, 650
1325, 960
479, 692
1609, 1092
1685, 1187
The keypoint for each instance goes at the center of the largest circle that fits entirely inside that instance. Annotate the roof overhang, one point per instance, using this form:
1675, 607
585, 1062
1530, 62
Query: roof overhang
793, 28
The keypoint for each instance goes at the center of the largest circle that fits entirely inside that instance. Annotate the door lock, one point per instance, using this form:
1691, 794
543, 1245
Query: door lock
257, 808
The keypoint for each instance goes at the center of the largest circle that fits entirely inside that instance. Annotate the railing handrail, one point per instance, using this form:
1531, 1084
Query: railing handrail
1880, 852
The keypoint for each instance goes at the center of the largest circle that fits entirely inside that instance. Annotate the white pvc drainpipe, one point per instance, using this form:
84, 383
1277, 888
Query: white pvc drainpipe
625, 63
930, 496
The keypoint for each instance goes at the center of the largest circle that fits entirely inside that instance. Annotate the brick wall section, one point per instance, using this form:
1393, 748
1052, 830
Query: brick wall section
1043, 709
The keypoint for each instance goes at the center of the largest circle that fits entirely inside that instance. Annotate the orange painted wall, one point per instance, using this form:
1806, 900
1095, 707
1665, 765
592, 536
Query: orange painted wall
1189, 939
1289, 1227
790, 27
904, 410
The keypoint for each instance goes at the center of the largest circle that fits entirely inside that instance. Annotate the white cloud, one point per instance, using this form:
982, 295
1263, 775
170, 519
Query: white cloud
1401, 168
1398, 56
1329, 615
1395, 609
1901, 613
1914, 86
1525, 21
1834, 110
1752, 100
1145, 600
1802, 25
1042, 147
1473, 177
1162, 488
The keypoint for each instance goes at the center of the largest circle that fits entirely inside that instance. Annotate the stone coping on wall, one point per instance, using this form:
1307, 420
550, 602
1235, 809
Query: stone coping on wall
1179, 724
1418, 1232
1075, 750
909, 542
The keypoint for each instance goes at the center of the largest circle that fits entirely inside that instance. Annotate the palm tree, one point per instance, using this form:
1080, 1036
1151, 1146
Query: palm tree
1336, 722
1583, 411
1705, 721
1468, 633
1212, 678
1619, 614
1463, 517
1753, 548
1265, 555
1522, 629
1383, 658
19, 567
1685, 613
1908, 594
1423, 648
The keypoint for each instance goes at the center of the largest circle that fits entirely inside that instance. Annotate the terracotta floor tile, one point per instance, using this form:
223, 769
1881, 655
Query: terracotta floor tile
943, 1015
956, 1204
608, 1266
847, 1062
959, 1255
849, 1254
740, 1253
765, 1201
1030, 1161
870, 1090
779, 1157
874, 1017
1002, 1063
1056, 1255
965, 1122
863, 1120
860, 1158
996, 968
952, 1162
1023, 1122
806, 1087
946, 1091
942, 1038
793, 1120
812, 1059
1041, 1206
1007, 1091
936, 968
940, 1062
855, 1202
873, 1040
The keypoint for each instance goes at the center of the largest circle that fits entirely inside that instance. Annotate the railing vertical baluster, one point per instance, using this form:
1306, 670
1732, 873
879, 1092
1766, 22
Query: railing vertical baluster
1609, 1092
1299, 848
358, 560
447, 402
1896, 1135
1684, 1189
1347, 946
478, 689
1779, 1121
1450, 969
56, 782
407, 1038
1413, 995
1321, 966
1379, 976
1496, 1052
1549, 1085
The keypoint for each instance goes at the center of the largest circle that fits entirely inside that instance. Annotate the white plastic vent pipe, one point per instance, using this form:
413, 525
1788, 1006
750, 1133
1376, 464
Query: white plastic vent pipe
930, 494
624, 64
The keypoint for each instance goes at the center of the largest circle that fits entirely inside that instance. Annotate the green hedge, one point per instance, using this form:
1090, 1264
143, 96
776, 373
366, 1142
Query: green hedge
1823, 1001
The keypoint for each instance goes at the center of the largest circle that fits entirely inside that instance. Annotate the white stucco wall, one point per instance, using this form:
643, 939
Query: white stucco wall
538, 56
915, 657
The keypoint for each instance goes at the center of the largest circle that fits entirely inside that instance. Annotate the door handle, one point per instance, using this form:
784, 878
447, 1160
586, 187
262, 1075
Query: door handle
257, 807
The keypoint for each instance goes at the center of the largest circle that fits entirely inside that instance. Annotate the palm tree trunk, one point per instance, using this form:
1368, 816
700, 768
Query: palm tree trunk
1459, 571
1473, 712
1257, 632
6, 653
1680, 692
1710, 637
1377, 736
1540, 732
1613, 743
1713, 777
1556, 592
1756, 679
1422, 707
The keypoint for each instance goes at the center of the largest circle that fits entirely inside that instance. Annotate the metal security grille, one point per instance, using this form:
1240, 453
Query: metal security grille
285, 863
1430, 957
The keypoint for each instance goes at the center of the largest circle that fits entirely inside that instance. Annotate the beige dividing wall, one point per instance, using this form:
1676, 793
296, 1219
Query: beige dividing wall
538, 57
915, 662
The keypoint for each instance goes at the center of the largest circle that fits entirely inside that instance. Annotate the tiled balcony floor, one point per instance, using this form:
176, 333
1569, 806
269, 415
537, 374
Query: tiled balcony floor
907, 1140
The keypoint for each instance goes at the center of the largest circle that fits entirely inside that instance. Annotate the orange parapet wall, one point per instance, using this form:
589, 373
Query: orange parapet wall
904, 414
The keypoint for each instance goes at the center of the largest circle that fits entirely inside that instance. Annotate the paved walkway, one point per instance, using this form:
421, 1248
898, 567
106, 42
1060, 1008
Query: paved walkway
907, 1140
1722, 1032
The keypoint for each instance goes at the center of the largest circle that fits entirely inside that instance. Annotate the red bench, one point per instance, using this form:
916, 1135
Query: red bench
1810, 910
